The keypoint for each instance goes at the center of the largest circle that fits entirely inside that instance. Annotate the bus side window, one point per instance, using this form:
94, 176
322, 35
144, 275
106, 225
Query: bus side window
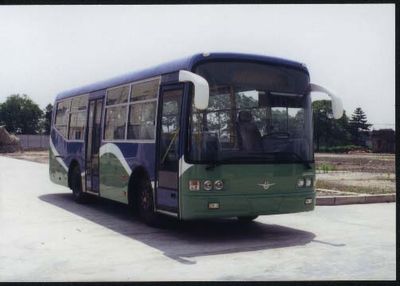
141, 123
115, 123
142, 110
77, 121
62, 113
115, 112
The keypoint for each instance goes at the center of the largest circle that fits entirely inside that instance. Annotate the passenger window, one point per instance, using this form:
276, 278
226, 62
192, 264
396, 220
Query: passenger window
117, 95
145, 90
115, 121
79, 103
77, 118
77, 125
62, 113
141, 107
141, 123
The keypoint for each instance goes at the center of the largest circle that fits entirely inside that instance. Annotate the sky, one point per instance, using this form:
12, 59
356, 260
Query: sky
348, 48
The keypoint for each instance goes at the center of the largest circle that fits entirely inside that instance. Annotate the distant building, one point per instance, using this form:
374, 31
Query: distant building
383, 141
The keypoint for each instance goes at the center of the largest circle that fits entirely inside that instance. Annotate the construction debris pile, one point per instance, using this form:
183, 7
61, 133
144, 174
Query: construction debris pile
8, 143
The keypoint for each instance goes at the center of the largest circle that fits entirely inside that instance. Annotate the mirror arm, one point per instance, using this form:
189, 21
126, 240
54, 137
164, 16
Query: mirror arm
337, 106
201, 88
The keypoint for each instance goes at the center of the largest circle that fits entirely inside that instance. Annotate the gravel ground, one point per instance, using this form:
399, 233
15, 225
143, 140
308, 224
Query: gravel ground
34, 156
363, 162
358, 182
333, 193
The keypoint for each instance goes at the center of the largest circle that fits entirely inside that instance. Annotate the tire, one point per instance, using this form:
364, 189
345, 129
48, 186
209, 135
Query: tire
76, 186
145, 203
247, 218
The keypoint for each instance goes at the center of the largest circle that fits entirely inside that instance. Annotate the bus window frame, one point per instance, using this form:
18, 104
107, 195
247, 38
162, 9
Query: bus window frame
65, 138
127, 104
69, 118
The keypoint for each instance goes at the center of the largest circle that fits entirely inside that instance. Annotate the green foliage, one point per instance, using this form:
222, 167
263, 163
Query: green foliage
340, 149
325, 168
329, 132
340, 135
20, 114
358, 126
45, 121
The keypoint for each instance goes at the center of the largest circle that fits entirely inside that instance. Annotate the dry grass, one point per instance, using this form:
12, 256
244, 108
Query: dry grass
372, 189
372, 163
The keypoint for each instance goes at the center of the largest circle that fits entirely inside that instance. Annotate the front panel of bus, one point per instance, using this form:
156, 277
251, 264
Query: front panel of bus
250, 152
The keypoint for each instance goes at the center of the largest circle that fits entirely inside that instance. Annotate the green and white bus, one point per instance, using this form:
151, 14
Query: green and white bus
211, 135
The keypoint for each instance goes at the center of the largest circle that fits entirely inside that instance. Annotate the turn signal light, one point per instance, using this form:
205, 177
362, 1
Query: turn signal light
194, 185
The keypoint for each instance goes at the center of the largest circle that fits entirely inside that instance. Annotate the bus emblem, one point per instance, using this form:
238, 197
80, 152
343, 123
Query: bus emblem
266, 185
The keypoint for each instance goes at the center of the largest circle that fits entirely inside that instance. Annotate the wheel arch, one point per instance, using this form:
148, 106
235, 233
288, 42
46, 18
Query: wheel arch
139, 174
72, 165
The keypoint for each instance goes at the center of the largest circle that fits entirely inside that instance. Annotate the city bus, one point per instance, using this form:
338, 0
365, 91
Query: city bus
207, 136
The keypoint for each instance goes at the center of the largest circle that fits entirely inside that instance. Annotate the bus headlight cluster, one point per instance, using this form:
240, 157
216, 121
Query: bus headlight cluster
208, 185
304, 182
308, 182
300, 183
218, 185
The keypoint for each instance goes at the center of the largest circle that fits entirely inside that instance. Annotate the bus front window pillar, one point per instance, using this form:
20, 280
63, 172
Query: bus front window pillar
201, 88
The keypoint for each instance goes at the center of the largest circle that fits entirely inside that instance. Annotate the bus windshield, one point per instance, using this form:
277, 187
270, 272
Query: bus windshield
256, 113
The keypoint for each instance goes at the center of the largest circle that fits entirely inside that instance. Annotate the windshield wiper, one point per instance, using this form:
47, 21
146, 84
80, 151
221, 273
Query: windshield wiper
305, 163
233, 158
260, 157
213, 165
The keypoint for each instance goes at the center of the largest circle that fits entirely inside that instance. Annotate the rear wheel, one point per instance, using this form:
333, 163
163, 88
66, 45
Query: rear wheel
146, 204
76, 186
247, 218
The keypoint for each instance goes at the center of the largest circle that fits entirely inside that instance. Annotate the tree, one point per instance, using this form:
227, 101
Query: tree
20, 114
329, 132
45, 121
358, 126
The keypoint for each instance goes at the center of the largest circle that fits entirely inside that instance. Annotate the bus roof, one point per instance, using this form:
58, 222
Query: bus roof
186, 63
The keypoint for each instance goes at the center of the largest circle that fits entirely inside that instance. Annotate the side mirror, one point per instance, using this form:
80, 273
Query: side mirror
337, 106
201, 88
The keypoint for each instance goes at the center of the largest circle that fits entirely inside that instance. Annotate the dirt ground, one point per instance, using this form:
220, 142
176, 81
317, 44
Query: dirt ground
363, 162
357, 182
363, 173
337, 174
39, 156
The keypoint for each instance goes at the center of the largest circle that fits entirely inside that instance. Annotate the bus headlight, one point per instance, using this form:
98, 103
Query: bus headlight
308, 182
207, 185
218, 185
300, 183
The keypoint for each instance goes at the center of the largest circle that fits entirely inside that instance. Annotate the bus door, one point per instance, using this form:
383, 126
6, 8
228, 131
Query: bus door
167, 172
93, 145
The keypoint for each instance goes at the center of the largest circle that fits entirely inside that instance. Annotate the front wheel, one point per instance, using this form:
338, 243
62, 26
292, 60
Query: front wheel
146, 204
76, 186
247, 218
